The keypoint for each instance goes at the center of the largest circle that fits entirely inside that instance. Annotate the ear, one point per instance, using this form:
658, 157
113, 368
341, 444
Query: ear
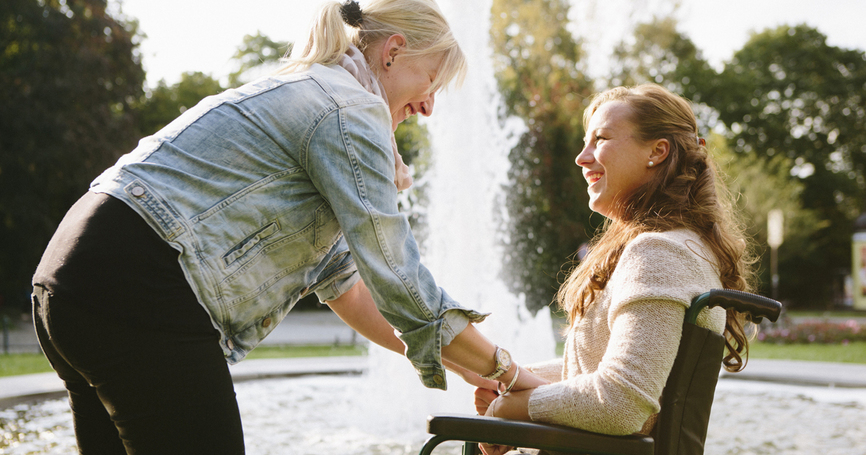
393, 45
660, 150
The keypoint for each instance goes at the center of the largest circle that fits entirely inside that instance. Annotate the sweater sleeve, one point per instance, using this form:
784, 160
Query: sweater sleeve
650, 289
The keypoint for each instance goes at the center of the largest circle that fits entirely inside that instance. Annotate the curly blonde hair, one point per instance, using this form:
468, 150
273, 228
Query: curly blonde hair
684, 192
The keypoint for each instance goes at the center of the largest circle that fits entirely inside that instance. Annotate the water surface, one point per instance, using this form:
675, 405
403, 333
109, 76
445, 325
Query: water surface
327, 414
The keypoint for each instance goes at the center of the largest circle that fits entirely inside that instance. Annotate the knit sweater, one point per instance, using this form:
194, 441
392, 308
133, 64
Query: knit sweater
617, 357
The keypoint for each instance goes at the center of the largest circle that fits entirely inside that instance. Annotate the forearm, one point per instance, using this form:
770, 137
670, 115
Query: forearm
472, 351
357, 309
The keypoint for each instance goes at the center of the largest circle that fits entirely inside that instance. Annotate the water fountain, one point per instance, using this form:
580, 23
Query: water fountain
383, 412
470, 151
470, 148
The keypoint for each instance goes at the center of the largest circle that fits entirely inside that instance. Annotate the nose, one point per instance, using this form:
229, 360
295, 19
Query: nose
584, 158
426, 106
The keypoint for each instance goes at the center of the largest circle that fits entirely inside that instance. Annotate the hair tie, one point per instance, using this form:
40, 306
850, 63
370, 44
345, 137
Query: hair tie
351, 12
702, 142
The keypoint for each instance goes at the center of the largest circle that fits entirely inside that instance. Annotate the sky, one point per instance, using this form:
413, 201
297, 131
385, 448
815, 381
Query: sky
199, 35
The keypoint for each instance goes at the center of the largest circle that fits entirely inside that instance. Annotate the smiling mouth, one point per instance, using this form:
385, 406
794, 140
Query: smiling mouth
592, 177
407, 111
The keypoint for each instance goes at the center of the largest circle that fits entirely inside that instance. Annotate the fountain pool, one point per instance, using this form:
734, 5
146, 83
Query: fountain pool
321, 414
384, 411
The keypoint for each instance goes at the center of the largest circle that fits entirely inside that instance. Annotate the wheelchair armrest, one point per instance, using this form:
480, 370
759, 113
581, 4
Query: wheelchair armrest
534, 435
755, 307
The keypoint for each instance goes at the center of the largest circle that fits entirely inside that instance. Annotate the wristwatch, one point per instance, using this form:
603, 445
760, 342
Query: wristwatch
503, 363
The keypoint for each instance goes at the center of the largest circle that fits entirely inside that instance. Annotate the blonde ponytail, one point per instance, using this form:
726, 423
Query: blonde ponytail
329, 39
420, 22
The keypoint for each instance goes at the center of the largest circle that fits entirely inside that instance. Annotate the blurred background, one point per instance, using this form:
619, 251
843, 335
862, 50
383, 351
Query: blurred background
779, 88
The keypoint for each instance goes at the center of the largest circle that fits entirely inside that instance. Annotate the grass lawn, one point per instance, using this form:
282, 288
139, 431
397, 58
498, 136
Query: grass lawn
14, 364
851, 353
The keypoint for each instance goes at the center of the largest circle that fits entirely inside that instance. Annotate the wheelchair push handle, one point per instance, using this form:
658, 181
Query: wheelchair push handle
755, 307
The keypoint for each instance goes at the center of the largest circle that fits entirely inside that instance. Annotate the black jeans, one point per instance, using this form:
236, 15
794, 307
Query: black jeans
137, 353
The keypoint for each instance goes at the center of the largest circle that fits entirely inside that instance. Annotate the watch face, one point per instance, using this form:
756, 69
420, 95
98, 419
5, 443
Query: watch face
504, 358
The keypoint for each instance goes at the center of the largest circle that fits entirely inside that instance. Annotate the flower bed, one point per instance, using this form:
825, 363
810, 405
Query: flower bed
813, 331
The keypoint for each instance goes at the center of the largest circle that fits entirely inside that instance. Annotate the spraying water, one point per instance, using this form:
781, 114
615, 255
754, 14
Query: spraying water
470, 147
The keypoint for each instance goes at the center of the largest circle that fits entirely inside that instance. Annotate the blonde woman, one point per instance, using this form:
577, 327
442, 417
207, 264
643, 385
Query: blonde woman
187, 252
669, 237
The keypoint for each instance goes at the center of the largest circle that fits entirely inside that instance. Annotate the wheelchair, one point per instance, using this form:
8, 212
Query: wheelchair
686, 400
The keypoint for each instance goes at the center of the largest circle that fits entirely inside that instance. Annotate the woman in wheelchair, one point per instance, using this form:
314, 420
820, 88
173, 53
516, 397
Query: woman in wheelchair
669, 235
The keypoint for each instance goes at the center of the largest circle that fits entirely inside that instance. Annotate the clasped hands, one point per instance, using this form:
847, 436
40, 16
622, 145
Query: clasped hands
513, 405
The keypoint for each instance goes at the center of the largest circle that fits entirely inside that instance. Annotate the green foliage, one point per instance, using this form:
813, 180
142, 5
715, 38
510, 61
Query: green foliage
792, 111
762, 185
536, 60
69, 75
659, 53
255, 55
413, 142
163, 104
788, 93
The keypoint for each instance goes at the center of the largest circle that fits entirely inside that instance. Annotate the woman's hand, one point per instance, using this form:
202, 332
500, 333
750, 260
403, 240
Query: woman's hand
513, 405
485, 404
489, 449
483, 398
470, 377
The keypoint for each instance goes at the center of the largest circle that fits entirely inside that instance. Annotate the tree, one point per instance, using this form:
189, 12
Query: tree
256, 54
657, 52
787, 92
761, 185
792, 110
163, 104
537, 63
69, 74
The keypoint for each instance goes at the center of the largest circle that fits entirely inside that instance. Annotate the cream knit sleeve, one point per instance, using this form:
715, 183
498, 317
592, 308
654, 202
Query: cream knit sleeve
628, 340
550, 370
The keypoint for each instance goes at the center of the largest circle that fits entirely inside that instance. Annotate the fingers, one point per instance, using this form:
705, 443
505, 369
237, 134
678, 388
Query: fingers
493, 449
483, 398
478, 381
486, 394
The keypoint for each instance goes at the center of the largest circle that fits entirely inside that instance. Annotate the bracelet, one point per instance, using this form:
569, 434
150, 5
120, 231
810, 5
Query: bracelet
513, 380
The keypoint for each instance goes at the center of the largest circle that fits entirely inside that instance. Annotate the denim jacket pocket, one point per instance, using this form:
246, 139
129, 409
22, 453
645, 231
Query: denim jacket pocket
249, 243
263, 265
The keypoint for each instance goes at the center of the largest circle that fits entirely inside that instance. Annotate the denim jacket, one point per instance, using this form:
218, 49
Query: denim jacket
284, 187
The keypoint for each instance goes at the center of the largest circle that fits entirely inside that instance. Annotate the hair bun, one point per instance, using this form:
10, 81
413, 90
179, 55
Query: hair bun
351, 12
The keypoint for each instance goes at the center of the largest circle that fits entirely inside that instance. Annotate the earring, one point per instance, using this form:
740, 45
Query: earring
388, 64
651, 164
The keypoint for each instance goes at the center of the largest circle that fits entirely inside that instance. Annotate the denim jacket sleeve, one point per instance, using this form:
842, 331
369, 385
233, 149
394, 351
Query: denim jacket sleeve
350, 161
